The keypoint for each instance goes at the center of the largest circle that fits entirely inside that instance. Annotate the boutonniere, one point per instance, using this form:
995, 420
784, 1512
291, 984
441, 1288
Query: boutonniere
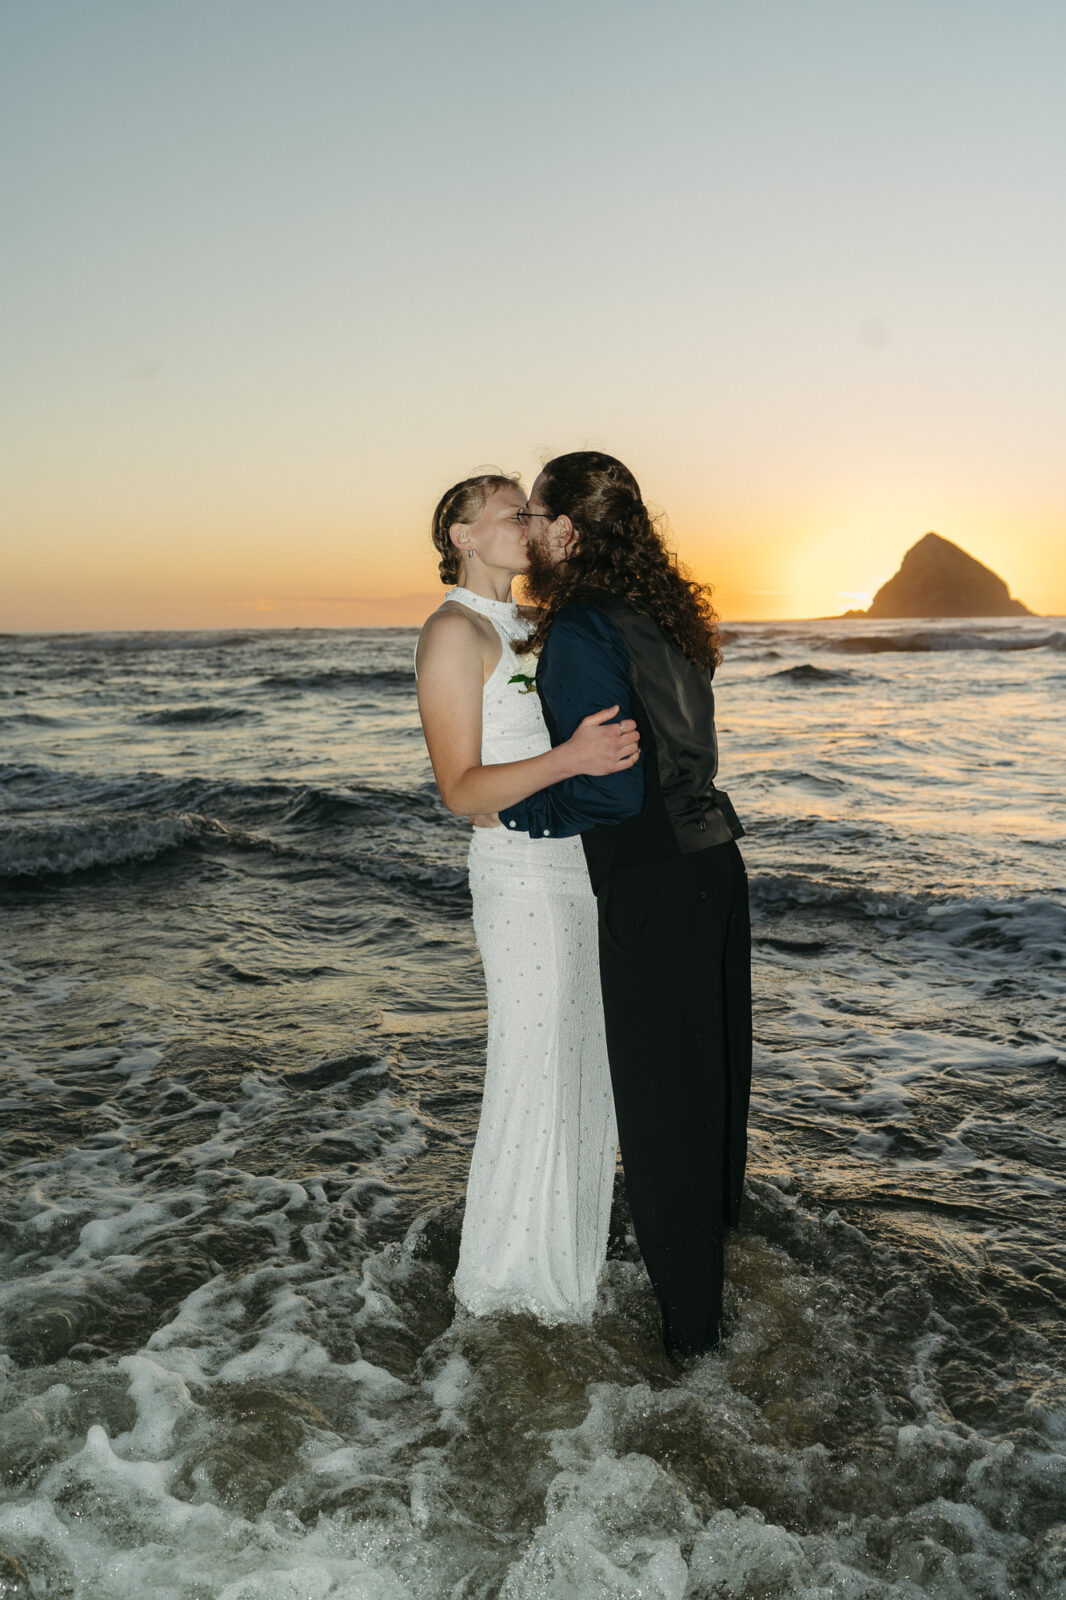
527, 679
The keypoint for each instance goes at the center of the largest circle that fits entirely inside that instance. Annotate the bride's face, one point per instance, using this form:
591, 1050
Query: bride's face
498, 535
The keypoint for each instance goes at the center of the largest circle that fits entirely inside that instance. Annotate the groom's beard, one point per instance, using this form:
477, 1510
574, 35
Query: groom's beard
541, 576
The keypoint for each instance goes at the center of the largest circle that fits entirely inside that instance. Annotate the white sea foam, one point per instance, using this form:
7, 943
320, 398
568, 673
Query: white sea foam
113, 1514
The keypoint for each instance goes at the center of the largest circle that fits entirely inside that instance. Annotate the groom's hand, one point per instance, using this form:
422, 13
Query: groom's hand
599, 746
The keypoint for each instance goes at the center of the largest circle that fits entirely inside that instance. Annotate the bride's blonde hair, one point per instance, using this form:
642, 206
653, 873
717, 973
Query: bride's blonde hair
463, 502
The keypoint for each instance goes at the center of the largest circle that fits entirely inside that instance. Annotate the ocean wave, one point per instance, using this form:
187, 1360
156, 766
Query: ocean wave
1033, 926
318, 808
443, 880
335, 678
61, 848
124, 643
812, 782
926, 641
794, 891
183, 716
399, 840
807, 673
234, 802
24, 774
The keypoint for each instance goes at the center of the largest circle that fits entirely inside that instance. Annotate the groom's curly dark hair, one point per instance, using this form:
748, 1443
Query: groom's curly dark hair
618, 550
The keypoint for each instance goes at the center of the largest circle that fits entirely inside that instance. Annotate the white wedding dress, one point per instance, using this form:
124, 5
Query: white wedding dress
538, 1198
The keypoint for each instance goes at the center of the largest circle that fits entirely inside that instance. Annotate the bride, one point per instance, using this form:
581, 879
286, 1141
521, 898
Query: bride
539, 1192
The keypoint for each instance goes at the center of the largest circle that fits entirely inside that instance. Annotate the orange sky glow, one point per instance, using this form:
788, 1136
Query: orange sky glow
784, 263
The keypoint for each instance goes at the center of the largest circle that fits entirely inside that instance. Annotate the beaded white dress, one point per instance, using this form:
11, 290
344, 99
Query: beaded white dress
538, 1197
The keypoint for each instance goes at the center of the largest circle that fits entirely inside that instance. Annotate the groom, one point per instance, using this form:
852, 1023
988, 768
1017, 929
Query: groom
620, 625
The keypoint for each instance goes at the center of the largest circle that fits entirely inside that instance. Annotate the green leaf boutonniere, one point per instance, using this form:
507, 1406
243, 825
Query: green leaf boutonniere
526, 676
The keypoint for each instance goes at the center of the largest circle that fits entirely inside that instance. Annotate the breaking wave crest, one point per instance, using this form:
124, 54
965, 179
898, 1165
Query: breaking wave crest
935, 639
806, 672
60, 848
338, 678
196, 716
1032, 926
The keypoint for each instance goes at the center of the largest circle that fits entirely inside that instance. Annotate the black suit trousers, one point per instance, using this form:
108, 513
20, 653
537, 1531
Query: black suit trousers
675, 967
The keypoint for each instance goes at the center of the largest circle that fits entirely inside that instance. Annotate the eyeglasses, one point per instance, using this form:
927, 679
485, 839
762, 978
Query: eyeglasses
524, 516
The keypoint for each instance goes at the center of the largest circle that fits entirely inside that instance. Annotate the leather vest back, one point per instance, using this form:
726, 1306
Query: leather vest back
673, 706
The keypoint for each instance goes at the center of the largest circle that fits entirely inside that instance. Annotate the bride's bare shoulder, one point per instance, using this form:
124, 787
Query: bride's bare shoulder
448, 619
450, 633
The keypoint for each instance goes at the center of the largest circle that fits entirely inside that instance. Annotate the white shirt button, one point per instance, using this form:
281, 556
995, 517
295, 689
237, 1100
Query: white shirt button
547, 833
512, 823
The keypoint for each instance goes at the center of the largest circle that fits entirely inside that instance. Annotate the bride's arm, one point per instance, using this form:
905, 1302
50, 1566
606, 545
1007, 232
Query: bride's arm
450, 683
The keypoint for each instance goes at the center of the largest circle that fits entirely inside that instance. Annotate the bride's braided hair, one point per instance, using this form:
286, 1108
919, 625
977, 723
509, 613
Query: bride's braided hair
619, 549
463, 502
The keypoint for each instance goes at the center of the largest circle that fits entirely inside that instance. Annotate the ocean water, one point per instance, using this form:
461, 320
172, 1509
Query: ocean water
242, 1043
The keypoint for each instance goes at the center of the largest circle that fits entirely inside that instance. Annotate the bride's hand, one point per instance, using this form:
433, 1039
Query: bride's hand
600, 746
486, 819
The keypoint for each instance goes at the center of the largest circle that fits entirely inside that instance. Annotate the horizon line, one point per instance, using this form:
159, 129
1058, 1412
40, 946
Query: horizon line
392, 627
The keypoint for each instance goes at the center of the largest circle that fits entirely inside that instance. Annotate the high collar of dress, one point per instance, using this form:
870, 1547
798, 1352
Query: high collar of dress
501, 609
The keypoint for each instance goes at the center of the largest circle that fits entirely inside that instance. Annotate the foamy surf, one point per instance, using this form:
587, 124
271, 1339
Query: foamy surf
242, 1046
241, 1453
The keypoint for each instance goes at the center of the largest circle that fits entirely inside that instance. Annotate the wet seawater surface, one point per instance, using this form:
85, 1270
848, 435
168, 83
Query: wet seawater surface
242, 1044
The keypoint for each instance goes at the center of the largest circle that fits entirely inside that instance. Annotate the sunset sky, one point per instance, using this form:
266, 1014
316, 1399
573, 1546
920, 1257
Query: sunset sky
274, 275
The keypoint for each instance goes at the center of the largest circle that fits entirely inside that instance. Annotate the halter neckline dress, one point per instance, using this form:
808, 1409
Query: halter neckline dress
538, 1197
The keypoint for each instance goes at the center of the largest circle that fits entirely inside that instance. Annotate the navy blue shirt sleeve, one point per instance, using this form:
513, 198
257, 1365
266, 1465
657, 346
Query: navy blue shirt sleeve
584, 667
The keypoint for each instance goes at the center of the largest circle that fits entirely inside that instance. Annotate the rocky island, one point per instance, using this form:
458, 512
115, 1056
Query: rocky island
938, 579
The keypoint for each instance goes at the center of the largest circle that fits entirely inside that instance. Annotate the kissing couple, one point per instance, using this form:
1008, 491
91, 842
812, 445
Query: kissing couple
609, 896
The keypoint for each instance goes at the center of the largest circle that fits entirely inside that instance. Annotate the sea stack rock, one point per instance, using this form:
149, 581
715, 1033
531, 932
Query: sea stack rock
937, 579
